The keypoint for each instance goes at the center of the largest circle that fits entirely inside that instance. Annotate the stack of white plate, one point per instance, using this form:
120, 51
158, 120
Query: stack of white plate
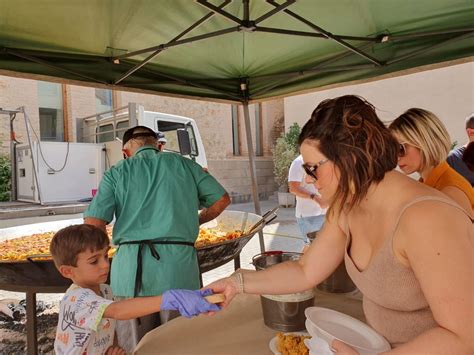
327, 324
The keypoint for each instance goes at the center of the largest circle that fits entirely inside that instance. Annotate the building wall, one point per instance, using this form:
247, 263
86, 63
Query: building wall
213, 119
448, 92
15, 93
81, 103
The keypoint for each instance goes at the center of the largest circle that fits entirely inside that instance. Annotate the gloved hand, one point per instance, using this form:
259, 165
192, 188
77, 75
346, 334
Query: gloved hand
189, 303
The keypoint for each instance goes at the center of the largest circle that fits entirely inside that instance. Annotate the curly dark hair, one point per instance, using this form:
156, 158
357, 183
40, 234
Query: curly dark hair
349, 133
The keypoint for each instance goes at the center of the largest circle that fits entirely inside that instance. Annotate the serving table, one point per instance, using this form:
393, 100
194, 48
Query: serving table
239, 329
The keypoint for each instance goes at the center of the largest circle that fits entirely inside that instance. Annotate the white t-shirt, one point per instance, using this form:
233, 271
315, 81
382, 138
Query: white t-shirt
304, 206
81, 327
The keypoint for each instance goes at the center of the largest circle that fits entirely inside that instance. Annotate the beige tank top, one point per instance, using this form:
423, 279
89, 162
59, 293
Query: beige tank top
394, 304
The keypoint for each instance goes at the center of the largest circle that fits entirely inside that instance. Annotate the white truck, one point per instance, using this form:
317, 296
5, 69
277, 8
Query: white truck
59, 172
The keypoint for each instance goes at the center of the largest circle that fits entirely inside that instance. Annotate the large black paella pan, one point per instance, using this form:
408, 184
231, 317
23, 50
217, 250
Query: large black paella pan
37, 272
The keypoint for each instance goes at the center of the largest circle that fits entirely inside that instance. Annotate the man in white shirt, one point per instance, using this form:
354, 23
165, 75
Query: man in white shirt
309, 213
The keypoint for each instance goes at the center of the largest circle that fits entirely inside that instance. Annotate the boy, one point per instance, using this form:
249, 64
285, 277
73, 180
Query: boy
87, 312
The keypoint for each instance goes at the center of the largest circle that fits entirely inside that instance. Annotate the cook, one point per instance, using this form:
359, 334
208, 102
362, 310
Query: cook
155, 197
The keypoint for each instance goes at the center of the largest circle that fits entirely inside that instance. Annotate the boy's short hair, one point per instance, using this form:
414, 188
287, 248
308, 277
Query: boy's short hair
68, 242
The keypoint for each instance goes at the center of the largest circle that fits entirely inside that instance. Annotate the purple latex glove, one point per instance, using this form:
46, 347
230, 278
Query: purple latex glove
189, 303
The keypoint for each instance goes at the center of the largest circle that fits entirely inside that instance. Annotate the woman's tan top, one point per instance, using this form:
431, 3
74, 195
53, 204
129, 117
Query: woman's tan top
393, 301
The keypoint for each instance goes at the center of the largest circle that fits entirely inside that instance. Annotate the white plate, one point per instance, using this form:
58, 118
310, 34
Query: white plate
273, 343
329, 325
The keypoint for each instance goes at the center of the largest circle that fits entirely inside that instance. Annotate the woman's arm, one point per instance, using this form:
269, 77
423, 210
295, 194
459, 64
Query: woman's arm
322, 258
440, 252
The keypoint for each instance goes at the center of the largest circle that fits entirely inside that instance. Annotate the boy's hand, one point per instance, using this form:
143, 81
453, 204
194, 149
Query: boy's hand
115, 350
189, 303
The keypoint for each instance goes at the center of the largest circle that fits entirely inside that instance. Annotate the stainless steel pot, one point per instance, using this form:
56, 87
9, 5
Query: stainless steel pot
339, 281
283, 312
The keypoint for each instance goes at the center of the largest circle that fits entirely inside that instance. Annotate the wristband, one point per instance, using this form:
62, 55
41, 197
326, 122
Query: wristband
240, 281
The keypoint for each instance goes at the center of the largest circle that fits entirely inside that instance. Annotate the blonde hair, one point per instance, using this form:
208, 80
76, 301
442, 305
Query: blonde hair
423, 130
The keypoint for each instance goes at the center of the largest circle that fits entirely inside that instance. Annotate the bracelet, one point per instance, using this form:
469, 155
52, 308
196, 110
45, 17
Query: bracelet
239, 278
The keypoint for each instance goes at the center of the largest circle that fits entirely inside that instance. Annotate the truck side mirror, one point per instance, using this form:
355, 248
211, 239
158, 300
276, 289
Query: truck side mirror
183, 141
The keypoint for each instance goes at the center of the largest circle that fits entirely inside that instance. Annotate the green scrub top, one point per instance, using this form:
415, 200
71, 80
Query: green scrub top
154, 196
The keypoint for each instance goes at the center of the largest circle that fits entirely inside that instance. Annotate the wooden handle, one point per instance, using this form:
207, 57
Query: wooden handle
216, 298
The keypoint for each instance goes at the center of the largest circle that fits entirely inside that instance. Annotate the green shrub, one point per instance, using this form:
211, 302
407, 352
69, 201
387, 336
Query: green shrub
5, 178
285, 151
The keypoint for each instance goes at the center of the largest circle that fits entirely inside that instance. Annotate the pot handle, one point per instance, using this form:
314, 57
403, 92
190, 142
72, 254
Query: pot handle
266, 253
272, 252
264, 221
31, 258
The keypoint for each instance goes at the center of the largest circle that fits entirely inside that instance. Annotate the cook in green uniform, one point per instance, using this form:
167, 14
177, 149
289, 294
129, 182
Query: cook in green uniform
155, 197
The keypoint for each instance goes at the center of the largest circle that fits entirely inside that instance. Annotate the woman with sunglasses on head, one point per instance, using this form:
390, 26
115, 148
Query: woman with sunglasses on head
406, 246
424, 147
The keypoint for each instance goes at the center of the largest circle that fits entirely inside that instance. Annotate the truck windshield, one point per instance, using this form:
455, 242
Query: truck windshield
170, 130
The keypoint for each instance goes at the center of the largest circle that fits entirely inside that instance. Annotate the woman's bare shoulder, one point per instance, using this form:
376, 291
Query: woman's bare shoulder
402, 190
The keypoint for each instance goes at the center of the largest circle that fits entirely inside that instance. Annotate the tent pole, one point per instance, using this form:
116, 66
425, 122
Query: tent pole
253, 170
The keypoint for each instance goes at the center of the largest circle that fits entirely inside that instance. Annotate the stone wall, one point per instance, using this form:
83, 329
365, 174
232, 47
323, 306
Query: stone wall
234, 175
15, 93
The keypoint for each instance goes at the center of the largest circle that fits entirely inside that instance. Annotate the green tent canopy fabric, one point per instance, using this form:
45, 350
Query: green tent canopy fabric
237, 50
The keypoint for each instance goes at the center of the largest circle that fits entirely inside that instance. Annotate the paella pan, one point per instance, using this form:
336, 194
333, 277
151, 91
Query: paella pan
229, 232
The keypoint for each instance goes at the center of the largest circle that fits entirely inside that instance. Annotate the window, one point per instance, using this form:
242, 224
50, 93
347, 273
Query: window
121, 128
171, 135
50, 103
105, 133
235, 130
103, 100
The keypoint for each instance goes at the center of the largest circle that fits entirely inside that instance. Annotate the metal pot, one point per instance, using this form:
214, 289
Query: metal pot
339, 281
283, 312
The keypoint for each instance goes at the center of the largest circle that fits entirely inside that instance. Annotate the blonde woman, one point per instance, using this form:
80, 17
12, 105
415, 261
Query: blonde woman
424, 146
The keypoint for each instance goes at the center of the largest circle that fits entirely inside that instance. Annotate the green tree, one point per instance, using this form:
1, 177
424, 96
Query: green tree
285, 151
5, 178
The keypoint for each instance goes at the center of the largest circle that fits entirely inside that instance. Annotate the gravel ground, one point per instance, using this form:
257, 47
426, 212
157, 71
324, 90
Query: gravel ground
13, 333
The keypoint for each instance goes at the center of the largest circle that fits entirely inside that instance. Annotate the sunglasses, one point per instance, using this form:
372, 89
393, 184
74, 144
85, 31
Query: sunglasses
402, 150
311, 170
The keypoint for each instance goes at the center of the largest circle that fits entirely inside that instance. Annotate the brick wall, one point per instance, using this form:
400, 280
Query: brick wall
234, 175
13, 94
213, 119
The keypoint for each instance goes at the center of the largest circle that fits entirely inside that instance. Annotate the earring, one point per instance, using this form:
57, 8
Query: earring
352, 187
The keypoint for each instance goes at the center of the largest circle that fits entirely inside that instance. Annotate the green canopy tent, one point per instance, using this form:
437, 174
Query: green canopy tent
232, 50
228, 50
